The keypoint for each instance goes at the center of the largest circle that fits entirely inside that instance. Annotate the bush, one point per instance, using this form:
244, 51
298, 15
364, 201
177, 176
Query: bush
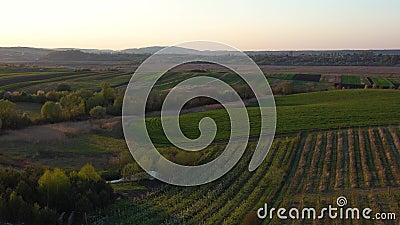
73, 104
107, 92
89, 173
54, 186
51, 112
8, 114
98, 112
55, 96
63, 87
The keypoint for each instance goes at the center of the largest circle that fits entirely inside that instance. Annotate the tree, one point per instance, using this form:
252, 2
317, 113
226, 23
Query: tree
54, 185
107, 92
55, 96
84, 93
63, 87
73, 104
98, 112
117, 106
51, 111
88, 172
8, 113
19, 210
96, 100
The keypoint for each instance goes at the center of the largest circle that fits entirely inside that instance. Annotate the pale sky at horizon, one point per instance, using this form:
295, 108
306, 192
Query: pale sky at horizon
247, 25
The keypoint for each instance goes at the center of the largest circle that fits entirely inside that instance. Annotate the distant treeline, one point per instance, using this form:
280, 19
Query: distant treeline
302, 57
317, 58
335, 58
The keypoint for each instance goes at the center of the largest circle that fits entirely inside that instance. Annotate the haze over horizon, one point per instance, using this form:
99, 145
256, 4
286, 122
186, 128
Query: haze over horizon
261, 25
260, 50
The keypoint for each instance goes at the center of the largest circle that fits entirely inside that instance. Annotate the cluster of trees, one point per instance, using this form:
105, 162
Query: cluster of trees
38, 196
60, 105
23, 96
67, 105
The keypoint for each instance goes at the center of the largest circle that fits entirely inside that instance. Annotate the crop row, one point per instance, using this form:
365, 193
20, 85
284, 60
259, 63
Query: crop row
311, 169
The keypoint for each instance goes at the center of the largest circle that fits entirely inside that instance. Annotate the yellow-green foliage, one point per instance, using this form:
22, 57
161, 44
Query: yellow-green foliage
88, 172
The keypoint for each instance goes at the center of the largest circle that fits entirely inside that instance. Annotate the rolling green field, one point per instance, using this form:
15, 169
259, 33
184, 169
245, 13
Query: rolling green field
351, 80
382, 82
309, 111
287, 76
395, 81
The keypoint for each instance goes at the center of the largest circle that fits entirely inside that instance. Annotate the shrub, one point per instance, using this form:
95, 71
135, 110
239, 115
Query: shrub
96, 100
107, 92
55, 95
51, 111
89, 173
98, 112
73, 104
8, 114
63, 87
54, 186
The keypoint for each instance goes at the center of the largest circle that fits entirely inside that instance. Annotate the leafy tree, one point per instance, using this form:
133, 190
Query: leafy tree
89, 173
24, 190
73, 104
54, 185
117, 106
63, 87
96, 100
45, 215
98, 112
55, 96
84, 93
19, 210
8, 113
107, 92
51, 111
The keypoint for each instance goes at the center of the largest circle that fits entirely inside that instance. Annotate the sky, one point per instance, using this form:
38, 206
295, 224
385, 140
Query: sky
244, 24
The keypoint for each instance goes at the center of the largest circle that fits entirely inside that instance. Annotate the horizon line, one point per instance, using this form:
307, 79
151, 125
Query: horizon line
264, 50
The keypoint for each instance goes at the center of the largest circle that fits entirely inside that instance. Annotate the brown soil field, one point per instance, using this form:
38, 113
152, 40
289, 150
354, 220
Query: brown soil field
19, 79
343, 70
334, 70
